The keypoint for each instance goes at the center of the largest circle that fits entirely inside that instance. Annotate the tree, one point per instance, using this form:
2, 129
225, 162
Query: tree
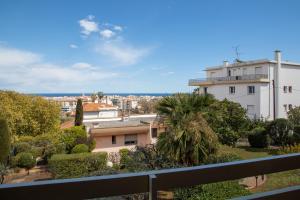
294, 115
79, 113
100, 95
4, 141
29, 115
148, 106
189, 139
94, 97
281, 132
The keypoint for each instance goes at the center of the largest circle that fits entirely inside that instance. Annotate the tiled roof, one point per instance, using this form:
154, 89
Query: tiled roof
92, 107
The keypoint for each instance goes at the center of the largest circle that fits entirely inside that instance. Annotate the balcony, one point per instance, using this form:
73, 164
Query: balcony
153, 181
229, 79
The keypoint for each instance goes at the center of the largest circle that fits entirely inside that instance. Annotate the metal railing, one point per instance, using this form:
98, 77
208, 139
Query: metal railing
230, 78
153, 181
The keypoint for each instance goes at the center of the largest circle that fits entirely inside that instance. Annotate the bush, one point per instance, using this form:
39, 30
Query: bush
288, 149
76, 165
124, 157
80, 148
4, 141
73, 136
296, 135
37, 151
228, 136
258, 138
281, 132
226, 157
21, 147
25, 138
213, 191
55, 148
25, 160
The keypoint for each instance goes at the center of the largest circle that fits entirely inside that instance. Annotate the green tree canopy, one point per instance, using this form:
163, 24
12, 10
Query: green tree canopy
29, 115
79, 113
4, 141
189, 139
294, 115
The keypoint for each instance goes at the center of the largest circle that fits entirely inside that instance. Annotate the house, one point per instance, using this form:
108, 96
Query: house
267, 89
119, 133
94, 111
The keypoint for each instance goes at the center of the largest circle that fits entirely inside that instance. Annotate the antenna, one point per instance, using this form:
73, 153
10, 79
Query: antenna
237, 52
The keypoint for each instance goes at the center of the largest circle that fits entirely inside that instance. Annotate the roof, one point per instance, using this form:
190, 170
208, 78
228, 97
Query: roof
251, 62
94, 107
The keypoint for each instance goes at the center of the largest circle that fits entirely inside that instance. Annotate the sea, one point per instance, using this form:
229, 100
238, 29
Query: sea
108, 94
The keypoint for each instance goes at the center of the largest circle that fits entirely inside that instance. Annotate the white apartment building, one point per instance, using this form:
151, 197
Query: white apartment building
267, 89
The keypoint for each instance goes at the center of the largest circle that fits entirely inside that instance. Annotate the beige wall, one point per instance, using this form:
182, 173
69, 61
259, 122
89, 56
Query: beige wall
104, 143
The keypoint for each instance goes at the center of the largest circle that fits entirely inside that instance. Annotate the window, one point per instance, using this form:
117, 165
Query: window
251, 89
290, 106
285, 89
258, 70
154, 132
232, 90
130, 139
205, 90
290, 89
285, 107
113, 139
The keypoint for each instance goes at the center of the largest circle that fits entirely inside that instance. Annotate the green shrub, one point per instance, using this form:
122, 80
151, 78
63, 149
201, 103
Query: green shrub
4, 141
296, 135
73, 136
37, 151
25, 138
288, 149
55, 148
80, 148
213, 191
25, 160
76, 165
225, 157
21, 147
281, 132
43, 140
124, 157
258, 138
228, 136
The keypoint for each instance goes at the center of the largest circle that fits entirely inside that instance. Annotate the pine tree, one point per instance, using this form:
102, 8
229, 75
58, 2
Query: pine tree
79, 113
4, 141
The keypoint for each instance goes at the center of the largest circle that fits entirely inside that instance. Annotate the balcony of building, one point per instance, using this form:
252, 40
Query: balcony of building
229, 79
151, 182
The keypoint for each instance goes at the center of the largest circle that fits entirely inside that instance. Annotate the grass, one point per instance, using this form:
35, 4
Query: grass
275, 180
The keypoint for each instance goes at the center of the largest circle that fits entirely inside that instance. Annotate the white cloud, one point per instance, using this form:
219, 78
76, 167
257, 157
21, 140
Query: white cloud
82, 65
88, 25
107, 34
28, 72
121, 53
14, 57
73, 46
118, 28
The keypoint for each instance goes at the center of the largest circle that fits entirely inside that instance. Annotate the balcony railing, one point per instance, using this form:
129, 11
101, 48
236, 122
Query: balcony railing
153, 181
193, 82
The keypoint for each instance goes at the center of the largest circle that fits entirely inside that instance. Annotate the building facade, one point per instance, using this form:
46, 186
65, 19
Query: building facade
267, 89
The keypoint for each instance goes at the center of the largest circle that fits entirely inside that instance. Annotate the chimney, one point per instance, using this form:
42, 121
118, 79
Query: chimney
225, 63
277, 69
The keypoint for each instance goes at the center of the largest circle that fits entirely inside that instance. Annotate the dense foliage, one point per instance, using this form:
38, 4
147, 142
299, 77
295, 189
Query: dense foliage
281, 132
259, 138
28, 115
76, 135
80, 148
294, 115
4, 141
189, 139
79, 113
76, 165
25, 160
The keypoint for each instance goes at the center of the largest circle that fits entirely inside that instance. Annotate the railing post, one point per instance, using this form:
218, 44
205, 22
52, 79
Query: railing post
152, 187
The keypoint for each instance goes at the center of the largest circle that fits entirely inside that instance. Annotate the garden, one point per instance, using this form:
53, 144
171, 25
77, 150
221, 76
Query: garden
200, 130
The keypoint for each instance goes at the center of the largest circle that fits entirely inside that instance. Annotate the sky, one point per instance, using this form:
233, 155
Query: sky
136, 46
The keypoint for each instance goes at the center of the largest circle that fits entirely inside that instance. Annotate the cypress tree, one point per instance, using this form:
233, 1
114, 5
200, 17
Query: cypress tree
79, 113
4, 141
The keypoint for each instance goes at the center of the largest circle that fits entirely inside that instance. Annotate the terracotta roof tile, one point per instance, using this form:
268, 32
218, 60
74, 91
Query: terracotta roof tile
90, 107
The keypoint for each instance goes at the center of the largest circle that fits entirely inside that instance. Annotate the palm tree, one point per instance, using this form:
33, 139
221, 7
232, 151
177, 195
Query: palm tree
189, 139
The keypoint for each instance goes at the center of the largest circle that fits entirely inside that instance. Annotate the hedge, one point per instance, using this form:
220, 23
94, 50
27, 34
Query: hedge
258, 138
76, 165
80, 148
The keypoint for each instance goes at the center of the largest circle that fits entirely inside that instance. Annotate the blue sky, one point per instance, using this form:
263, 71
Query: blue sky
136, 46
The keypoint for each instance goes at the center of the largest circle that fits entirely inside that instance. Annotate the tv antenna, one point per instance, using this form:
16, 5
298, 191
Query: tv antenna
237, 52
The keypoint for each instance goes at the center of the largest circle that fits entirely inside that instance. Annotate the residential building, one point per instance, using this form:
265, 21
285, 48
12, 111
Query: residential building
267, 89
94, 111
